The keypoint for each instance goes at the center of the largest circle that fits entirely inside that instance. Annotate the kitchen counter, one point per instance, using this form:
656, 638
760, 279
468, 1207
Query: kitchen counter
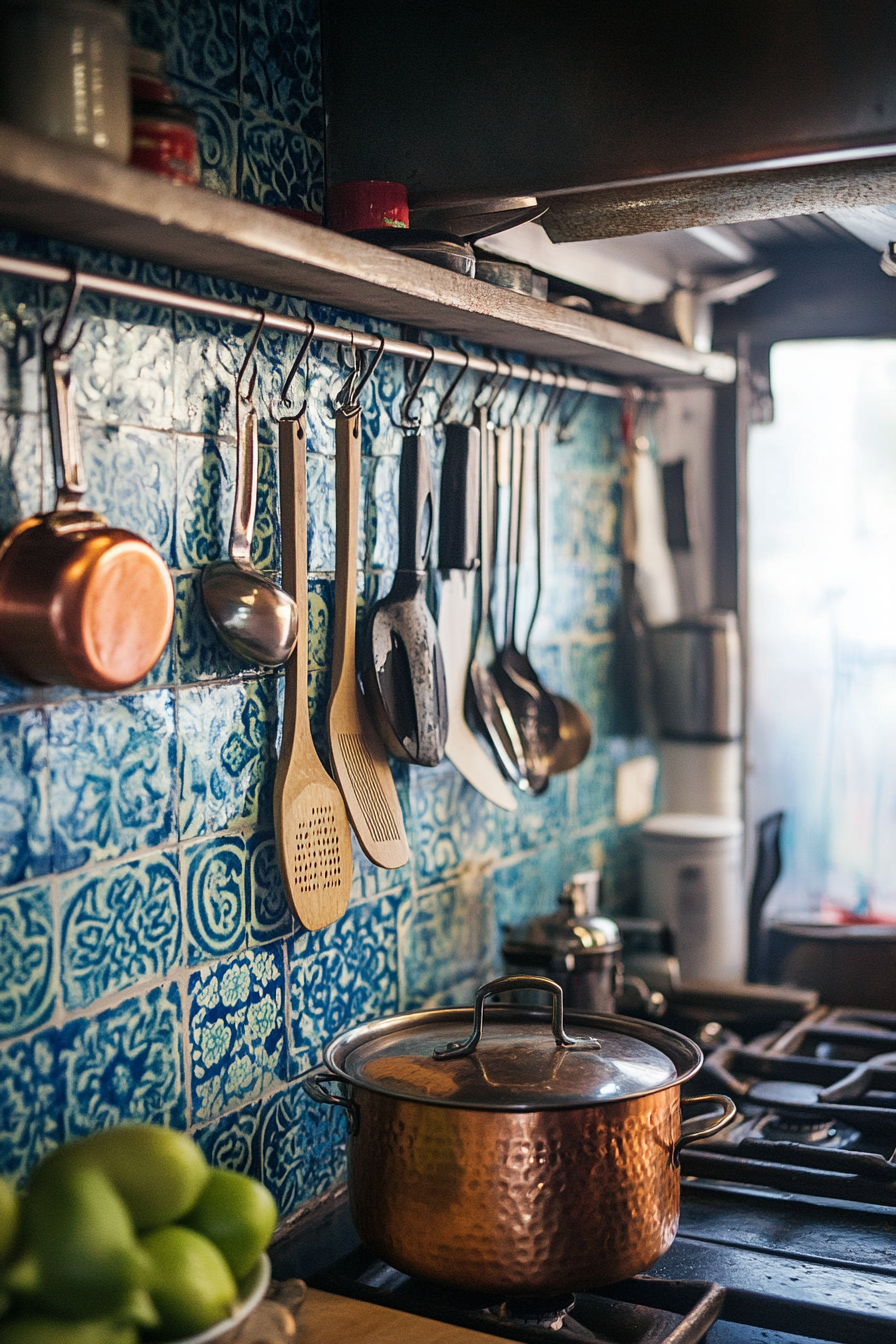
326, 1318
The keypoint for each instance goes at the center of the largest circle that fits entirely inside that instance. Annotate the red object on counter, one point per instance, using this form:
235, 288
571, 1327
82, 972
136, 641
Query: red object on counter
163, 141
367, 205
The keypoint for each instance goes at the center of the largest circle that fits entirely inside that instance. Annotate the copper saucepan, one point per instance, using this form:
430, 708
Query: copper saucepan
521, 1160
81, 603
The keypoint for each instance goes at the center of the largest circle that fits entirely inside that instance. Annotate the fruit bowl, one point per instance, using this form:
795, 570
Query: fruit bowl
252, 1289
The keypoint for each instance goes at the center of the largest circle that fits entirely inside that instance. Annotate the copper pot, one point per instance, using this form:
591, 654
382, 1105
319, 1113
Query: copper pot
81, 603
521, 1160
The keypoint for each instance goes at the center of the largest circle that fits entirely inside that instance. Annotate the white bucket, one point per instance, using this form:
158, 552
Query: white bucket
700, 777
692, 879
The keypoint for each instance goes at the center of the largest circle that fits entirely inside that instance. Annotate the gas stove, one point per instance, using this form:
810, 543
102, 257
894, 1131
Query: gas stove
816, 1109
788, 1219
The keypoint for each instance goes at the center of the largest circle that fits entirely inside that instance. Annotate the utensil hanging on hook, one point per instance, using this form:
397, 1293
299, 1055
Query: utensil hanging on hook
81, 603
250, 612
485, 699
532, 707
574, 739
314, 843
402, 670
458, 562
357, 754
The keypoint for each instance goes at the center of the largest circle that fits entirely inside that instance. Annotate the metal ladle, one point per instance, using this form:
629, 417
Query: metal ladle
251, 613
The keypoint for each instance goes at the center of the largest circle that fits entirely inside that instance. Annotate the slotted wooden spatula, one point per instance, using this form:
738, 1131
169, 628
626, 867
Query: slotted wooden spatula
314, 843
358, 756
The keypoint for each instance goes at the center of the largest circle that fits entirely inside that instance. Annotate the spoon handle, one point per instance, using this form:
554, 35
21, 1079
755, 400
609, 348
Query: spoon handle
245, 500
348, 489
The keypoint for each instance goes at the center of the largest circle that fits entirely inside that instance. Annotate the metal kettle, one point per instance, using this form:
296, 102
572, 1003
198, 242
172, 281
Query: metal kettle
574, 945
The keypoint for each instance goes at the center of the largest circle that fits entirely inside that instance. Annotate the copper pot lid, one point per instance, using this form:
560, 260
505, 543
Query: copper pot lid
514, 1058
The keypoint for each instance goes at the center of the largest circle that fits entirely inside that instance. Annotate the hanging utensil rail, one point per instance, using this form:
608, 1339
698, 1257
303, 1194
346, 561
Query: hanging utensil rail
361, 340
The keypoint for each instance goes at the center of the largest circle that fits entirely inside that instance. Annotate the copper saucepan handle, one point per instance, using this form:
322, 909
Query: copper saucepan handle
316, 1085
457, 1049
704, 1126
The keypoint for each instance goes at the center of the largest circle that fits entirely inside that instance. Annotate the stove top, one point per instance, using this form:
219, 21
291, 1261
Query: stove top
787, 1223
816, 1109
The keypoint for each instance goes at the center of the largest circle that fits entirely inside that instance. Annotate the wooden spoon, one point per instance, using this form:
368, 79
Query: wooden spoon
357, 755
314, 843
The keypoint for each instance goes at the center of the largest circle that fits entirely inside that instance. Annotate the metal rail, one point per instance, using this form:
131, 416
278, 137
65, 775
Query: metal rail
361, 340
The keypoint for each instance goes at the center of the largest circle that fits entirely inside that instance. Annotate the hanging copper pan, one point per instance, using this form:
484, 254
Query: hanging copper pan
81, 603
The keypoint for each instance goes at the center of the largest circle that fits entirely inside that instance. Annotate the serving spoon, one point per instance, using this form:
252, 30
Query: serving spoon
250, 612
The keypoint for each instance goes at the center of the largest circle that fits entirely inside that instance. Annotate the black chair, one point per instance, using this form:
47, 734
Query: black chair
766, 874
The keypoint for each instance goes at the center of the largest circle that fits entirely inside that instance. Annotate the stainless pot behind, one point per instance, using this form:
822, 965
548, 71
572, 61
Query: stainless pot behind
501, 1163
696, 665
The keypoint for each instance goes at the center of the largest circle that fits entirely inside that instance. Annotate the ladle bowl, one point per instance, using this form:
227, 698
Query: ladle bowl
574, 741
251, 613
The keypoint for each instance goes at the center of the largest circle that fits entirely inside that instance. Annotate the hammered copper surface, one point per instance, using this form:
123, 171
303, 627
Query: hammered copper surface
81, 603
516, 1203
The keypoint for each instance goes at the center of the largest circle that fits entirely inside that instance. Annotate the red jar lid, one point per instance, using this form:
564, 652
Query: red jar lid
367, 205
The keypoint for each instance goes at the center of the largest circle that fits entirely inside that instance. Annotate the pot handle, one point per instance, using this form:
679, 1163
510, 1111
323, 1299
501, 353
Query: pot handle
315, 1086
704, 1126
457, 1049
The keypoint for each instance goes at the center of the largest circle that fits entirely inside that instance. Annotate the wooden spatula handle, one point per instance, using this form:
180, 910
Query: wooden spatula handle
348, 488
294, 560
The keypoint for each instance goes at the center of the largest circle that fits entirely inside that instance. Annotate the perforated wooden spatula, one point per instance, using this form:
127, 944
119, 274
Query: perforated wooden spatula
314, 843
357, 754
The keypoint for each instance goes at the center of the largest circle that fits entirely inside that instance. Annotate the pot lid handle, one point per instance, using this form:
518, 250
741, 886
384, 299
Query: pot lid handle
457, 1049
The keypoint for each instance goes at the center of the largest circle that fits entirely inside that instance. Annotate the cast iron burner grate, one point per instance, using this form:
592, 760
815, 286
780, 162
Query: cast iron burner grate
639, 1311
816, 1109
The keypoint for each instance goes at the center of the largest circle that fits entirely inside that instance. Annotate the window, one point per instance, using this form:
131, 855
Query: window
822, 622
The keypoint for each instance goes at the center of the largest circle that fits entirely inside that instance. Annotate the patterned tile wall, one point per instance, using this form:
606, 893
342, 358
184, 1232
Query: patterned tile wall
149, 966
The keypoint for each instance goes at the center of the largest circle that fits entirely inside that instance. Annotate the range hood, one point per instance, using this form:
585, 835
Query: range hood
623, 118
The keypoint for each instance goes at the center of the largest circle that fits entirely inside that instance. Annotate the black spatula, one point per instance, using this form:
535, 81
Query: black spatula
403, 672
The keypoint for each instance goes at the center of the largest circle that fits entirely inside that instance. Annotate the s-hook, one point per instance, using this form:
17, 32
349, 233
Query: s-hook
406, 422
296, 365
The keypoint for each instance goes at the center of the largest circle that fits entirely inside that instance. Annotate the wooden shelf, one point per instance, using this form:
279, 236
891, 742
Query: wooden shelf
52, 189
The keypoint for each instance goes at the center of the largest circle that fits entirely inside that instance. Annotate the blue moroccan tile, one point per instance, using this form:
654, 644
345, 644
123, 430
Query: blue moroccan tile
30, 1103
301, 1145
382, 513
321, 596
119, 926
345, 974
207, 361
281, 70
446, 938
279, 165
200, 653
218, 134
124, 1064
202, 44
24, 797
321, 514
130, 480
236, 1031
215, 882
122, 373
25, 480
21, 375
451, 822
594, 787
227, 764
230, 1141
111, 777
206, 481
270, 917
27, 969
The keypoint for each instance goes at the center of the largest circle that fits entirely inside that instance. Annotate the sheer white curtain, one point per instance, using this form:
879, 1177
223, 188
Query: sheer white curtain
822, 576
